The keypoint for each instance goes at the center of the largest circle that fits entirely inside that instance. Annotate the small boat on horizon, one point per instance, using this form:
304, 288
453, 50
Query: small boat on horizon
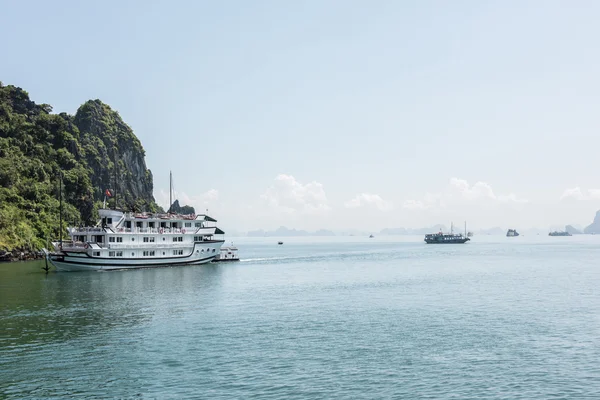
279, 242
557, 233
447, 238
512, 233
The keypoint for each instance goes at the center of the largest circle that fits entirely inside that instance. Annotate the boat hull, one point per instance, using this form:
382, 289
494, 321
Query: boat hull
71, 261
453, 241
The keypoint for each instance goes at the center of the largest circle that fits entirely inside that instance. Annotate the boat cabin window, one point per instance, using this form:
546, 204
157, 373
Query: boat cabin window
151, 224
111, 239
119, 254
119, 240
100, 239
109, 221
96, 254
198, 224
163, 224
149, 239
138, 224
174, 225
188, 224
127, 224
111, 253
178, 238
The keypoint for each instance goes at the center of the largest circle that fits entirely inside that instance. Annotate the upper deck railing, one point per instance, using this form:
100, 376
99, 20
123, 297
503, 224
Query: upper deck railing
136, 230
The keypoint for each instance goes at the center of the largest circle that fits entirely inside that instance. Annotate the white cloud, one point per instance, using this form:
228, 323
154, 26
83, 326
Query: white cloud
162, 198
480, 190
511, 198
415, 205
290, 196
369, 199
199, 201
459, 192
577, 194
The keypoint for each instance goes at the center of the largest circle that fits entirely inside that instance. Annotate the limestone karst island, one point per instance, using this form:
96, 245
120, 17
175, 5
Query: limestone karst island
37, 147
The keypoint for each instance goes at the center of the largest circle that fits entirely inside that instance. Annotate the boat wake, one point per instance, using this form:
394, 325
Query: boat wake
356, 255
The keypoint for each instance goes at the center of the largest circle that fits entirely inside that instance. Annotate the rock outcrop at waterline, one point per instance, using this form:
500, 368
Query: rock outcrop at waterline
37, 146
176, 208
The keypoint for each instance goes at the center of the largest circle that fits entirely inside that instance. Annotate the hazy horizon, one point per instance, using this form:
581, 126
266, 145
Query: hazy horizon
458, 228
337, 115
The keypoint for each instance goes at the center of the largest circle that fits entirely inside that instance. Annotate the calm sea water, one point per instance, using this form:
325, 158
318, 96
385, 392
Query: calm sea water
316, 318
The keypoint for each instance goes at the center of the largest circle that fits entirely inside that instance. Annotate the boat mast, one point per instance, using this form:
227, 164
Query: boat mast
170, 190
60, 210
465, 228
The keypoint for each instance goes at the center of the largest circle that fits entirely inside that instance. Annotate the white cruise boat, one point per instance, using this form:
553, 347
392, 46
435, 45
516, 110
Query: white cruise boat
143, 240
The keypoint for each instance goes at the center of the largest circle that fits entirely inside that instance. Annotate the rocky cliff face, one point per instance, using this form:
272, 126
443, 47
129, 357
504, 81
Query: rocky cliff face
594, 227
107, 138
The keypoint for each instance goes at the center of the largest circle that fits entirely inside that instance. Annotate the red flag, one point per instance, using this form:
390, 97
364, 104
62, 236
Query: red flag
108, 192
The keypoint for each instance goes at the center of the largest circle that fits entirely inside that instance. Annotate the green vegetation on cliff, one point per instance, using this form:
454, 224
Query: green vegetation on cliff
36, 147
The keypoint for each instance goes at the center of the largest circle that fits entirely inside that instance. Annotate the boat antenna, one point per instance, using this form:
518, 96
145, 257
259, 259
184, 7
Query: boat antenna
465, 228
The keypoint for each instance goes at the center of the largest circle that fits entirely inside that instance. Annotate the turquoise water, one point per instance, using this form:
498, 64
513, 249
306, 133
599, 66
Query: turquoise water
316, 318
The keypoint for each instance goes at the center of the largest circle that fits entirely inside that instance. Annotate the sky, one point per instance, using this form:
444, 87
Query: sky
336, 114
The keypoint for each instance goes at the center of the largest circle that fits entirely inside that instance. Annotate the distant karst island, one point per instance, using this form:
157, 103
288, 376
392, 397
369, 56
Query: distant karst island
594, 227
494, 231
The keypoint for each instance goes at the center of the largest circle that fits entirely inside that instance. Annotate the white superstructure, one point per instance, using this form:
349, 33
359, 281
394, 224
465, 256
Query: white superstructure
143, 240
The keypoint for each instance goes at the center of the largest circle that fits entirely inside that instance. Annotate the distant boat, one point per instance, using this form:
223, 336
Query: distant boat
556, 233
447, 238
512, 233
371, 236
279, 242
469, 234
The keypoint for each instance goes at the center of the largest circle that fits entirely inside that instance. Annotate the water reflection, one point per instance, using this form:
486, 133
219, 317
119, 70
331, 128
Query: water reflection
37, 308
